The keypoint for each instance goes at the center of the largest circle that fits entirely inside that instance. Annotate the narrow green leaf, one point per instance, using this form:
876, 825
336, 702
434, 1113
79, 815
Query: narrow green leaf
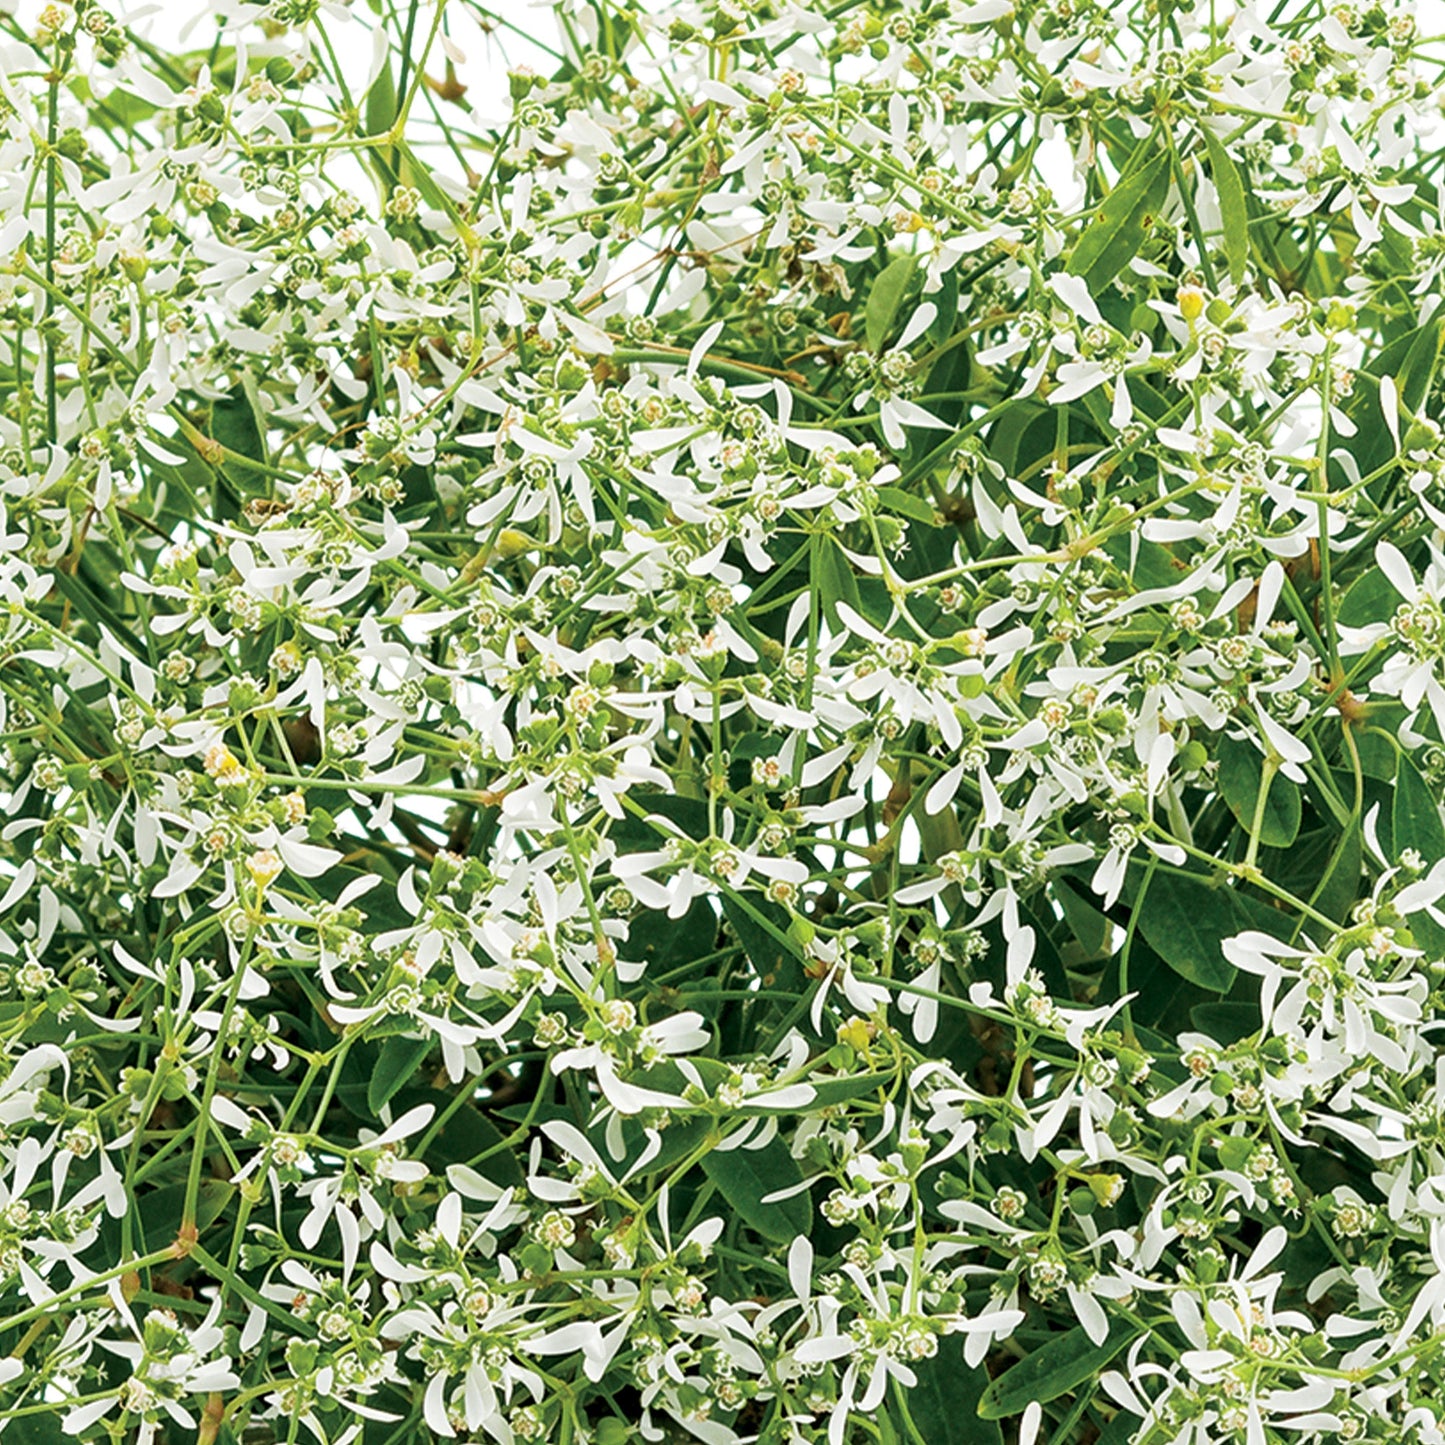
1114, 237
381, 103
235, 426
745, 1177
1416, 814
415, 173
1415, 823
946, 299
885, 299
1241, 773
1052, 1370
252, 394
395, 1069
839, 1091
895, 499
833, 577
1411, 359
946, 388
1377, 752
939, 834
1414, 378
1233, 211
1089, 926
104, 611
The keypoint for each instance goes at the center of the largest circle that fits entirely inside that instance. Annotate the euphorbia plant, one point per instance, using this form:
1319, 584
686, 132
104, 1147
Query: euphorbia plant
733, 735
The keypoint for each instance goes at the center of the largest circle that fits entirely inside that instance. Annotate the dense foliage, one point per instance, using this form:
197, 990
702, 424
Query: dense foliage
735, 736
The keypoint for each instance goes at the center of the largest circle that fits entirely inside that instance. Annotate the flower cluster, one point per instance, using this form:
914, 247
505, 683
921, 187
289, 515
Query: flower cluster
722, 721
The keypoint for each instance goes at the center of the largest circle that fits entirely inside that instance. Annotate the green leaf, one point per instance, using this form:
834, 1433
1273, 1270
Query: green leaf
1007, 436
1411, 359
745, 1177
1241, 771
1053, 1370
1186, 920
631, 832
1371, 598
946, 299
828, 1092
1340, 886
119, 107
1417, 371
833, 577
1163, 996
397, 1066
1121, 1430
1233, 211
41, 1429
1226, 1022
895, 499
1416, 815
381, 103
774, 961
885, 299
1116, 234
663, 942
158, 1216
236, 423
466, 1136
415, 172
943, 1405
1090, 927
1148, 564
103, 610
949, 382
1415, 823
1235, 1152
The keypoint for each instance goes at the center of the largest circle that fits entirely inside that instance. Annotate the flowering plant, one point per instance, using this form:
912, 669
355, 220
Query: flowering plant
734, 735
